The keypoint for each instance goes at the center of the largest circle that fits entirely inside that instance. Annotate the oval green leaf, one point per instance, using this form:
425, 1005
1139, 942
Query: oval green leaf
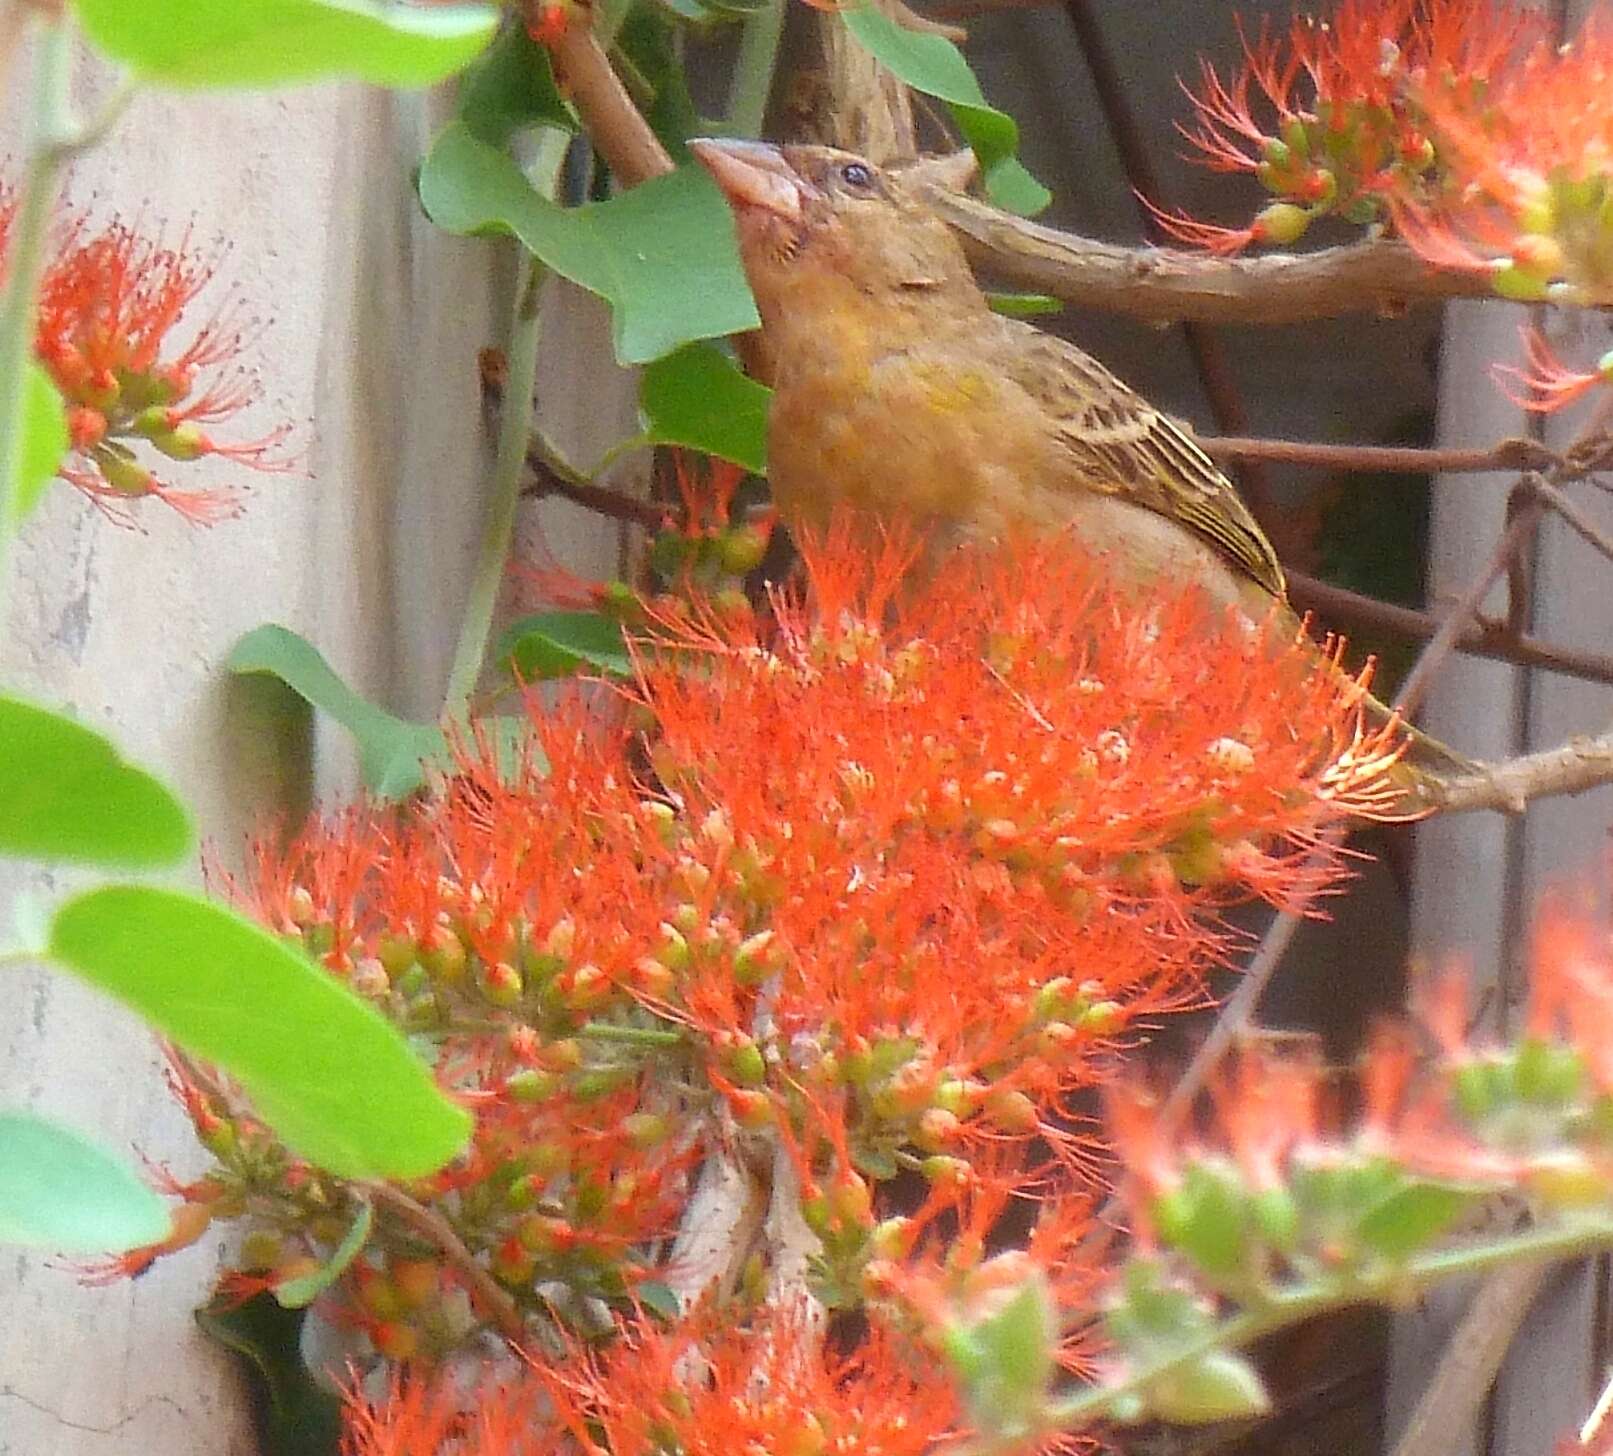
260, 43
68, 795
932, 64
60, 1191
392, 750
661, 254
510, 89
698, 397
327, 1072
1412, 1217
44, 441
557, 644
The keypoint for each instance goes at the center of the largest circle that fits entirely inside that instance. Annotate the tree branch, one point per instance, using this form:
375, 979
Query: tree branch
1163, 286
1483, 638
615, 126
495, 1302
1512, 454
615, 504
1583, 524
1472, 1356
1582, 763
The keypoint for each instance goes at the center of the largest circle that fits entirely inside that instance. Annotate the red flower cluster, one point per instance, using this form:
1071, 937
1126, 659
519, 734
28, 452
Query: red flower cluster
110, 303
879, 881
1276, 1179
1485, 144
703, 1387
1332, 117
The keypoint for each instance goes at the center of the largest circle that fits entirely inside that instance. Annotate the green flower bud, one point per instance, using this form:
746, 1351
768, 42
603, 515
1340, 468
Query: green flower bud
1281, 223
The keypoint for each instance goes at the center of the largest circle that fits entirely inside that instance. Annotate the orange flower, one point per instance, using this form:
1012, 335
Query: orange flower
1445, 116
1546, 384
110, 302
710, 1387
420, 1415
1531, 163
705, 1387
1331, 115
915, 858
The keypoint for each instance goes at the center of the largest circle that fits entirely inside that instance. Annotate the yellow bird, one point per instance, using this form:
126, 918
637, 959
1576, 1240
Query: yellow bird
897, 391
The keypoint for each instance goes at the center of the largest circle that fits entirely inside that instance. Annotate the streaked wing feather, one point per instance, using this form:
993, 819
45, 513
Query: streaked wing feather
1119, 442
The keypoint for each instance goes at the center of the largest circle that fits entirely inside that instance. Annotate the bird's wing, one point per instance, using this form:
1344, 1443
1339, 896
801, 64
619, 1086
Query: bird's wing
1120, 443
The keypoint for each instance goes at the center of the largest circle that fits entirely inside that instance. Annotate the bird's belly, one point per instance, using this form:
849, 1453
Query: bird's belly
1142, 549
891, 445
970, 473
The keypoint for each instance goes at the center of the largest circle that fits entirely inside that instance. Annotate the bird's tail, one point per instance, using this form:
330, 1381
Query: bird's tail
1426, 762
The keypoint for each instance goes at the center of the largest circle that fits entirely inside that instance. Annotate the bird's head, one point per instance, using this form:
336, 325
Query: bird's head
815, 218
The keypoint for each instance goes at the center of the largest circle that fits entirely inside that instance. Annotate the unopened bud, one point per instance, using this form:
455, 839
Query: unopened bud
1281, 223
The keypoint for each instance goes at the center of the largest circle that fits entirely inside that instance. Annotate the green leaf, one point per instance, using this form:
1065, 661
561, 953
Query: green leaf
1219, 1386
511, 88
68, 795
299, 1293
652, 44
1005, 1363
60, 1191
44, 442
511, 743
332, 1076
662, 254
255, 43
392, 750
932, 64
660, 1299
558, 644
1207, 1218
298, 1416
1024, 305
1412, 1217
698, 397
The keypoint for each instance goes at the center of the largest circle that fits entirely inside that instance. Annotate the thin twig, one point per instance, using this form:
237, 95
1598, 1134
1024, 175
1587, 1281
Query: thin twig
1235, 1016
1456, 619
1473, 1354
1163, 286
1336, 605
1575, 517
600, 499
483, 1289
614, 125
1571, 768
1510, 455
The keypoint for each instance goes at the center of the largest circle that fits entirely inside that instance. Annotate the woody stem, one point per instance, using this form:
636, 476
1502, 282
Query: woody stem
1284, 1307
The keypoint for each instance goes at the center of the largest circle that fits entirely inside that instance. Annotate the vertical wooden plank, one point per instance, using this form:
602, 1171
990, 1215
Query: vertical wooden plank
1465, 870
1550, 1378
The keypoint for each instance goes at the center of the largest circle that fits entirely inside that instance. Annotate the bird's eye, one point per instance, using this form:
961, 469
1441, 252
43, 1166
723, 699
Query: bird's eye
857, 174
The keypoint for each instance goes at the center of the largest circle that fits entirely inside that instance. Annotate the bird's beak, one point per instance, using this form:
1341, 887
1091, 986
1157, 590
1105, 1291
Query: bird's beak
752, 175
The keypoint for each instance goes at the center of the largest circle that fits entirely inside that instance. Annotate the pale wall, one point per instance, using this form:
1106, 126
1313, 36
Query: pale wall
373, 323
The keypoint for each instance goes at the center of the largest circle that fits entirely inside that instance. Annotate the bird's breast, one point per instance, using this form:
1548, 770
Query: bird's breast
935, 435
902, 433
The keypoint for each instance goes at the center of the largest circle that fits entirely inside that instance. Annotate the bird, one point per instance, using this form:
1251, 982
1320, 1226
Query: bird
899, 392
